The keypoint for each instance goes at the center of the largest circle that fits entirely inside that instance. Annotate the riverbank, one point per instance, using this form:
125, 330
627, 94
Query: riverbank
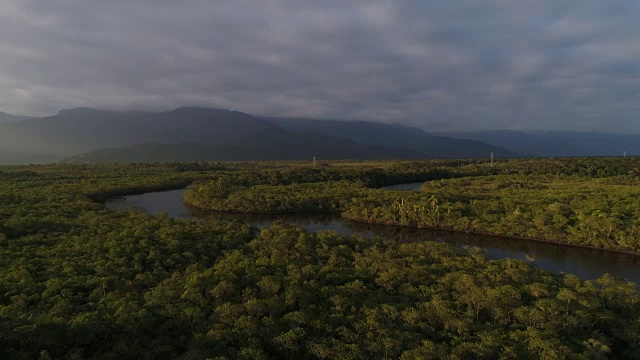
587, 263
472, 232
81, 280
508, 237
577, 211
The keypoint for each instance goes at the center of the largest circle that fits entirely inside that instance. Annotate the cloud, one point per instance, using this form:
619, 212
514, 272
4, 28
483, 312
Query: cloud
462, 64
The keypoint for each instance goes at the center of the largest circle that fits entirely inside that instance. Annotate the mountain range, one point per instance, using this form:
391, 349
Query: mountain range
201, 134
86, 135
7, 118
557, 143
396, 136
8, 157
273, 144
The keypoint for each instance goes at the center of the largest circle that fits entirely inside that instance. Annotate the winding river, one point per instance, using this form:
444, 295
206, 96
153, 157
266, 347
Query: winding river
586, 263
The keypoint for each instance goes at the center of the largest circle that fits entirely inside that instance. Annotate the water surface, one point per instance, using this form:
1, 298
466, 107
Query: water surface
586, 263
406, 187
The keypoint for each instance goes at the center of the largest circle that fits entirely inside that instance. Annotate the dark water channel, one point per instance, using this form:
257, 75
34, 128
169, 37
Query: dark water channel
586, 263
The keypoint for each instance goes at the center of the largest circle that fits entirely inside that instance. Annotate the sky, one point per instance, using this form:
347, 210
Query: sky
441, 65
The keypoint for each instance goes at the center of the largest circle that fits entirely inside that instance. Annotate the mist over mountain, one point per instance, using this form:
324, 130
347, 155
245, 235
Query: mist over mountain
557, 143
196, 133
201, 134
394, 135
270, 144
83, 129
7, 118
8, 157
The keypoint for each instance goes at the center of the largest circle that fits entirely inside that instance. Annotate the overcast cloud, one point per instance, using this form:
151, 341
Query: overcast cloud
459, 64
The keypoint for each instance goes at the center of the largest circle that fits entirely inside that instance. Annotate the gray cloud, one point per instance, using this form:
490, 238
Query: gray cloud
462, 64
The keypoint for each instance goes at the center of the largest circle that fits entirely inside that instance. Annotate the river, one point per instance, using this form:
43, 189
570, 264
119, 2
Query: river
586, 263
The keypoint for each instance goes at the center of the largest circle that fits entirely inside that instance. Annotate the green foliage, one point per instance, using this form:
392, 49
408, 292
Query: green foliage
78, 281
224, 195
588, 202
569, 209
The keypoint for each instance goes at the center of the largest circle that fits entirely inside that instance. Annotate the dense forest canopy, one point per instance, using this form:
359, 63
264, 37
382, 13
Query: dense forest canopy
589, 202
78, 281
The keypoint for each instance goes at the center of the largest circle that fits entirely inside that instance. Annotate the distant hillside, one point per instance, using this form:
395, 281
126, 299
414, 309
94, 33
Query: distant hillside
15, 158
273, 144
395, 136
197, 133
7, 118
558, 143
83, 129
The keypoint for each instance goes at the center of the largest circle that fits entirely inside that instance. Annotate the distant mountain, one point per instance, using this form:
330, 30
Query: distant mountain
15, 158
83, 129
395, 136
558, 143
272, 144
7, 118
196, 132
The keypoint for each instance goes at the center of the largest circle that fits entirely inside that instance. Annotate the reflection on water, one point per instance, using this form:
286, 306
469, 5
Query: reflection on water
586, 263
408, 186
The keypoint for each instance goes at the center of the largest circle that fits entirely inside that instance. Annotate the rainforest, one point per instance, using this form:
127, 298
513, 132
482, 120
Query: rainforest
81, 281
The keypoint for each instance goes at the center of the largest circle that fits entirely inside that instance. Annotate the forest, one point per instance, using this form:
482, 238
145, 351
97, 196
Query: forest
79, 281
587, 202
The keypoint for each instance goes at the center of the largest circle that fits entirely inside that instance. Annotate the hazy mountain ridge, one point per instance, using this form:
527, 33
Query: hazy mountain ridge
268, 145
83, 129
394, 135
198, 133
8, 118
221, 134
557, 143
8, 157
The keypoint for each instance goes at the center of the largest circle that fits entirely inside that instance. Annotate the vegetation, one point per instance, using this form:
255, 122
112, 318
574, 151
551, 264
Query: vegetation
78, 281
602, 213
589, 202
